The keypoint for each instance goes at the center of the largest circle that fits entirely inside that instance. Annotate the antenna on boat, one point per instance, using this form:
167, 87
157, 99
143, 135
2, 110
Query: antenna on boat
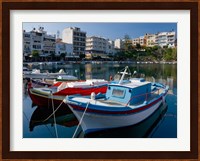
123, 74
153, 79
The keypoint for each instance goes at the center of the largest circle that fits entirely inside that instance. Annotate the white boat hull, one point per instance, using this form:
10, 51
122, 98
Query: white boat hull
95, 122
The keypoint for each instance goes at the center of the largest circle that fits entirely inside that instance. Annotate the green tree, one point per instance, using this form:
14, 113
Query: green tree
53, 56
82, 56
119, 56
129, 51
127, 43
138, 46
170, 54
62, 55
174, 54
35, 54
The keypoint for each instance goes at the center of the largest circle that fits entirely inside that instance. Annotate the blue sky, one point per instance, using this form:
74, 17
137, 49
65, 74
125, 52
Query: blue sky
107, 30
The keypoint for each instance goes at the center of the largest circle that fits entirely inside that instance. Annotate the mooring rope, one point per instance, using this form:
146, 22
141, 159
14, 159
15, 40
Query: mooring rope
54, 116
26, 116
81, 120
53, 112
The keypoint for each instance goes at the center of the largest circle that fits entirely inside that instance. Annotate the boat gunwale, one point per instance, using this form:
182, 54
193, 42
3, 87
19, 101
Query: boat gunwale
76, 106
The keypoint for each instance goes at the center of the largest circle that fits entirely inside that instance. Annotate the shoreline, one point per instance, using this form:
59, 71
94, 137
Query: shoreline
97, 62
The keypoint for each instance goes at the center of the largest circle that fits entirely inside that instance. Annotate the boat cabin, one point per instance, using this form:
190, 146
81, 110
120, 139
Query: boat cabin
134, 92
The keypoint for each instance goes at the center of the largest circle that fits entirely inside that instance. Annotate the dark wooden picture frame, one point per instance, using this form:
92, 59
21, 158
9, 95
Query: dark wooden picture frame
8, 6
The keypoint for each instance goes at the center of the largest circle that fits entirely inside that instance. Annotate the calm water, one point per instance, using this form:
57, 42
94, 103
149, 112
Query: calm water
162, 124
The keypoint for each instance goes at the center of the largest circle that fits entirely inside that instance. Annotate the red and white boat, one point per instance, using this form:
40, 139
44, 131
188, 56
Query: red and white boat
54, 95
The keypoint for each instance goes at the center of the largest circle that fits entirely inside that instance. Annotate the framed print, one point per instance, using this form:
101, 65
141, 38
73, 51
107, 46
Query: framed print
100, 80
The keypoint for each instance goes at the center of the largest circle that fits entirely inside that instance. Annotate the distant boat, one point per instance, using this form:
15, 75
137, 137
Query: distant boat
66, 78
125, 104
54, 95
38, 75
40, 83
26, 70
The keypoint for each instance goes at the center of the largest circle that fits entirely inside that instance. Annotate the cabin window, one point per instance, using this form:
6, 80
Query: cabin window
118, 93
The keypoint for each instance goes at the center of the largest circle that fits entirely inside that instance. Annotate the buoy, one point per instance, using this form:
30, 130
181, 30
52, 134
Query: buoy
111, 78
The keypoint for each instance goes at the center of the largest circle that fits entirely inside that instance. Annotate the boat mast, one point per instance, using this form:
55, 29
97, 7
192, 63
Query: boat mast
123, 74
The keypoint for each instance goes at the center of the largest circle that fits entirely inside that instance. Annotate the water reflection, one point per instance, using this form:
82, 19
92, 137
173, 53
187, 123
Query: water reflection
155, 126
44, 115
161, 72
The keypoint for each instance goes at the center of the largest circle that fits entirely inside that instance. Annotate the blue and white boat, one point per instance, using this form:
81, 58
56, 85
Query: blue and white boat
125, 104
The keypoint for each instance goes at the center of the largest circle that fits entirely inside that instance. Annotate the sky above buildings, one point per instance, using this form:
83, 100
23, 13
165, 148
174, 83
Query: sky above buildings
111, 31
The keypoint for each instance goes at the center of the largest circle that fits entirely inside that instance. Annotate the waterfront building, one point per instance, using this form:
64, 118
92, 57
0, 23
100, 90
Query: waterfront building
48, 44
165, 39
119, 44
63, 48
26, 44
110, 47
140, 40
136, 41
38, 41
161, 39
99, 46
76, 37
96, 45
150, 39
171, 39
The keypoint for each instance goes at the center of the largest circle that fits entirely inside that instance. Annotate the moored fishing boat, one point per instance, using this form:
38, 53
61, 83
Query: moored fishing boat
125, 104
40, 83
66, 78
54, 95
36, 74
51, 82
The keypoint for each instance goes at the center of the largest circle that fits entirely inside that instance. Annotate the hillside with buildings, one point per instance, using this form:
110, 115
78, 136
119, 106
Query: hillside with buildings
75, 44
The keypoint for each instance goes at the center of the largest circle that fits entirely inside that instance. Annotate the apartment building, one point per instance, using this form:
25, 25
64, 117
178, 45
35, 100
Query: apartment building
110, 47
76, 37
135, 41
96, 45
26, 44
165, 39
63, 48
150, 39
38, 40
171, 39
140, 40
161, 39
49, 44
99, 46
119, 44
